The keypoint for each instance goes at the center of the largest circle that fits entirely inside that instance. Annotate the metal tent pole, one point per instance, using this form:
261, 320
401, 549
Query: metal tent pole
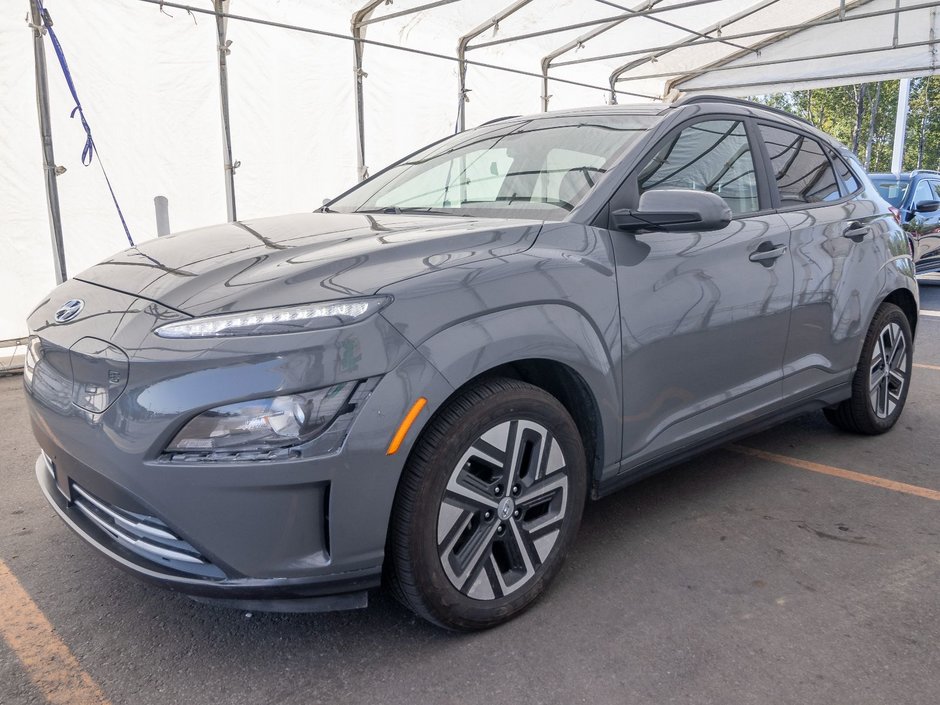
463, 44
578, 42
659, 52
359, 18
900, 126
833, 18
221, 22
195, 9
45, 135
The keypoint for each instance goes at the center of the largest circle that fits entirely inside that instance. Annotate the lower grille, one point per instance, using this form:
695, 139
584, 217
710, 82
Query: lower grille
146, 536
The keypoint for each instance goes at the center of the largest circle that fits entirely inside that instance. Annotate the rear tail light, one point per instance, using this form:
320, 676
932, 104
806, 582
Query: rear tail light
896, 213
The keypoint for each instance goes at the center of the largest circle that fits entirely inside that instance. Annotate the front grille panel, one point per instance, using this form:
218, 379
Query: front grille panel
146, 536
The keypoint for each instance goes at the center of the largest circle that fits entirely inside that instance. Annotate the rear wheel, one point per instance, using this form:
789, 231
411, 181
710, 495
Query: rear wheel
881, 382
488, 506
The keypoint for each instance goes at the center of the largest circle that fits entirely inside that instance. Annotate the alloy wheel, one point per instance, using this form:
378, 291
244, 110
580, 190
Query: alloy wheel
888, 370
502, 510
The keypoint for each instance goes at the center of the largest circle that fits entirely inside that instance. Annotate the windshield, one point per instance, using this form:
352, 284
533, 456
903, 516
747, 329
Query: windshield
539, 168
891, 189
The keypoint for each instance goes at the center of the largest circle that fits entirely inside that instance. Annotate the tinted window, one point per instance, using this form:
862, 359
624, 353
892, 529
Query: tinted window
801, 168
891, 189
846, 174
712, 156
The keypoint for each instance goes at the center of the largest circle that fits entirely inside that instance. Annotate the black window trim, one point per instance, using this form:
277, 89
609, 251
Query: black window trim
825, 147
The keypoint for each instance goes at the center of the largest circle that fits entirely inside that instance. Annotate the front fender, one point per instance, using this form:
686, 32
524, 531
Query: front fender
555, 332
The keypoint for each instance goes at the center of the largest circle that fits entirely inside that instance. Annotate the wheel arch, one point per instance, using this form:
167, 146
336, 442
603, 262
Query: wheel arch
569, 388
567, 358
904, 300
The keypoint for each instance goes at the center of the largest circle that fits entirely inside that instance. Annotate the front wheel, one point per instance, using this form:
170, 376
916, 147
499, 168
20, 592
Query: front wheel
488, 506
883, 376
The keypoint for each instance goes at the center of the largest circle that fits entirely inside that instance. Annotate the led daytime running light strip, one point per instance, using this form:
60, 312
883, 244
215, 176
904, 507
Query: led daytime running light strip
282, 320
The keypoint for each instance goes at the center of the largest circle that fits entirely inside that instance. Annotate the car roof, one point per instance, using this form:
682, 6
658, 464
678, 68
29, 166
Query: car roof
906, 174
694, 103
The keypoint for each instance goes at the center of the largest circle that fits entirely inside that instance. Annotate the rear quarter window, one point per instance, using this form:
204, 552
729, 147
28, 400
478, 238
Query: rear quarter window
849, 180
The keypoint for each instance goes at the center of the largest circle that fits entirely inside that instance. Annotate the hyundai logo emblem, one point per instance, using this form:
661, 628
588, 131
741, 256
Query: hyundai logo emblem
69, 310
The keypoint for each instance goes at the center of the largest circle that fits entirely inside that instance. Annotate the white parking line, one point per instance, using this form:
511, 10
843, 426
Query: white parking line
928, 312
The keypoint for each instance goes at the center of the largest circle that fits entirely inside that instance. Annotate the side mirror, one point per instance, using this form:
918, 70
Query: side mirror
927, 206
675, 210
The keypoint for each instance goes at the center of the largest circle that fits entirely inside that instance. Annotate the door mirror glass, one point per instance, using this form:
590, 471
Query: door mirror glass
675, 210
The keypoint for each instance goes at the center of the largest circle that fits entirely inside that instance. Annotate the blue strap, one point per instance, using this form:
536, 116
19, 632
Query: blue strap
90, 149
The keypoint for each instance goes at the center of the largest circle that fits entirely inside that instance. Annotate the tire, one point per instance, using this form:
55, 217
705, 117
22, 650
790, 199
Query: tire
475, 536
878, 397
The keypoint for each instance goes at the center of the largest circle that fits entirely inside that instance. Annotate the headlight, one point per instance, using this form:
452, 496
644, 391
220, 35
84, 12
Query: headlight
270, 321
263, 424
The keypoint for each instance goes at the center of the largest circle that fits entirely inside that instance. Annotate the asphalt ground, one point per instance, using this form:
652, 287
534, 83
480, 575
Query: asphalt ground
729, 579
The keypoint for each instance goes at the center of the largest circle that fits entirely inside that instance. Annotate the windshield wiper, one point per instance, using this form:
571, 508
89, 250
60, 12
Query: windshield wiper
396, 210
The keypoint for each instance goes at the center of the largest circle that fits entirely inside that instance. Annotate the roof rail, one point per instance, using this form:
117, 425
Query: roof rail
924, 171
689, 100
499, 119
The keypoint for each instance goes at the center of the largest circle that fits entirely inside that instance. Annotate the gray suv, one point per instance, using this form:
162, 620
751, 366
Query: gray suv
422, 382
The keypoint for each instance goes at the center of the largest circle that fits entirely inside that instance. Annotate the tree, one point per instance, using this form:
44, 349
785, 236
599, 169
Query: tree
862, 117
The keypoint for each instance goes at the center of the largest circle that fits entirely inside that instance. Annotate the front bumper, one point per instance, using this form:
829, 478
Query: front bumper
90, 524
292, 528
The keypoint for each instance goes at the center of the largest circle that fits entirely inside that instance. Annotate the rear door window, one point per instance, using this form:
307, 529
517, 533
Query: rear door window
801, 168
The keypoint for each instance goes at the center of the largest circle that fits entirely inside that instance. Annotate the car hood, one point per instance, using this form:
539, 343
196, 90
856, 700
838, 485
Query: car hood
302, 258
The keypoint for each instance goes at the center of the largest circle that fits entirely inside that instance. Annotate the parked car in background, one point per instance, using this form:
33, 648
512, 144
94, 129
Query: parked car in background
915, 198
421, 383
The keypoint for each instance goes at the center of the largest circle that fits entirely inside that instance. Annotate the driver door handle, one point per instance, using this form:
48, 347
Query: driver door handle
768, 255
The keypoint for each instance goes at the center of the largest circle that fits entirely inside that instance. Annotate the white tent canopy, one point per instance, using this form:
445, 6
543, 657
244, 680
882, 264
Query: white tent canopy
148, 76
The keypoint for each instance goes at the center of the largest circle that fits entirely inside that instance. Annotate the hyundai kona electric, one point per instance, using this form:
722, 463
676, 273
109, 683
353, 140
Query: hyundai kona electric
422, 383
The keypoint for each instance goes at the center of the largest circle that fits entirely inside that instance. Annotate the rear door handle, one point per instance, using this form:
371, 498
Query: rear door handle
767, 256
856, 230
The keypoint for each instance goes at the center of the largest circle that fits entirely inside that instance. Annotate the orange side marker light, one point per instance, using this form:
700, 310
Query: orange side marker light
405, 425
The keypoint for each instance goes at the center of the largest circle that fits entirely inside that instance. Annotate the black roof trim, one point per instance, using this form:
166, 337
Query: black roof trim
905, 174
499, 119
692, 99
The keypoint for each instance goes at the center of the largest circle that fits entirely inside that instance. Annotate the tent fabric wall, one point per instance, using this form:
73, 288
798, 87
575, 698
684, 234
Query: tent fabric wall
148, 79
149, 87
788, 63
